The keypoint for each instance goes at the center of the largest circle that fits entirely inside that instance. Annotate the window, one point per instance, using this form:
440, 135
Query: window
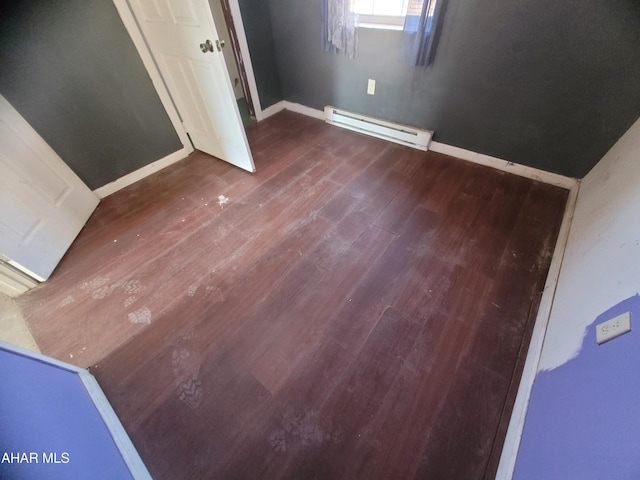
419, 20
385, 13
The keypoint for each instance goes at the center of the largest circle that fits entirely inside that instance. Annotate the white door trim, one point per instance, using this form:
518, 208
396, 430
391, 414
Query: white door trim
126, 15
124, 10
246, 57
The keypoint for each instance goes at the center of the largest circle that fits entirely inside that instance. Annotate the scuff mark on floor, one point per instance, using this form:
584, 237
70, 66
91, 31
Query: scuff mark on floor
185, 364
68, 300
132, 286
222, 200
142, 315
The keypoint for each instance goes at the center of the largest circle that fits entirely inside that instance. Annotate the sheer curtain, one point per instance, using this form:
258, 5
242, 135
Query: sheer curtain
339, 32
422, 29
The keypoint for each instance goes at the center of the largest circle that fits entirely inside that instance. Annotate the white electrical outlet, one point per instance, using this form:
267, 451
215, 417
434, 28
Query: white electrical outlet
371, 87
613, 328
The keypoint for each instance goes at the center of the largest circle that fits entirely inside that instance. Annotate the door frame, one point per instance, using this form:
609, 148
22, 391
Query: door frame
237, 54
238, 26
131, 25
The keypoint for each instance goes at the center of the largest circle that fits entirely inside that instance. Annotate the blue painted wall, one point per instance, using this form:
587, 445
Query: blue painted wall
583, 420
49, 426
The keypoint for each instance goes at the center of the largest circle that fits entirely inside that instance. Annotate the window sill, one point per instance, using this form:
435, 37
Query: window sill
380, 26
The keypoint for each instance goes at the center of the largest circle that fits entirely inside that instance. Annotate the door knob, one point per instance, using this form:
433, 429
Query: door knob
220, 45
206, 46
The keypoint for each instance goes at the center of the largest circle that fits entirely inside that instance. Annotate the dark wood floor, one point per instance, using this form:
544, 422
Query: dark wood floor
356, 309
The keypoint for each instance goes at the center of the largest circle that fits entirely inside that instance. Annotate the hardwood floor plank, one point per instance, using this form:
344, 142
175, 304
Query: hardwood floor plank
413, 193
211, 328
296, 341
358, 398
354, 309
372, 190
374, 293
460, 443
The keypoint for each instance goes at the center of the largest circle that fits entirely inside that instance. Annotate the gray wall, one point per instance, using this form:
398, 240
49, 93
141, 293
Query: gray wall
543, 83
257, 25
70, 68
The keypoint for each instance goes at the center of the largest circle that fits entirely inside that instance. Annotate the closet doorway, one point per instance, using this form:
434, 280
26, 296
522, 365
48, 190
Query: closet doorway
225, 25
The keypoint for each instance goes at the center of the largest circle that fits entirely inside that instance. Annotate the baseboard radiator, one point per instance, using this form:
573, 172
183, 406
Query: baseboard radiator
390, 131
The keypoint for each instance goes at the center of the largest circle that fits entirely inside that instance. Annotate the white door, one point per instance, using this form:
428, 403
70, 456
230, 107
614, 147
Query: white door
43, 204
197, 81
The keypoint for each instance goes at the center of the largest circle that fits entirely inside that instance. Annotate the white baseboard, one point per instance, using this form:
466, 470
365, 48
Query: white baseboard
480, 158
504, 165
143, 172
304, 110
293, 107
270, 111
516, 424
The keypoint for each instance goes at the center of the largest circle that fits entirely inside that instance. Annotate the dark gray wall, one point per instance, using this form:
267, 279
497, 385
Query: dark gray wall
70, 68
543, 83
257, 25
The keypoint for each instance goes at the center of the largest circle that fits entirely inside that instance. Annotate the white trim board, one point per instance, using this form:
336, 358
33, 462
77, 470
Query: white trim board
272, 110
111, 421
292, 107
517, 169
141, 173
518, 414
234, 5
522, 170
147, 170
304, 110
123, 443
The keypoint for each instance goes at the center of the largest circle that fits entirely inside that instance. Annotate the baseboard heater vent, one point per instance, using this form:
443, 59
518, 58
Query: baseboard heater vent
390, 131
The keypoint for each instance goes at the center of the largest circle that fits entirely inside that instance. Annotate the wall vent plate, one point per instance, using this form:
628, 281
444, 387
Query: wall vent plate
613, 328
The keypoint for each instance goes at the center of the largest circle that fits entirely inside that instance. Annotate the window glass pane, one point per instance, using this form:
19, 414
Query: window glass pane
389, 7
386, 12
363, 7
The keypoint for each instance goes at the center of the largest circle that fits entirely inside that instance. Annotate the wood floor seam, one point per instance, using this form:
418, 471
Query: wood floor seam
353, 309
